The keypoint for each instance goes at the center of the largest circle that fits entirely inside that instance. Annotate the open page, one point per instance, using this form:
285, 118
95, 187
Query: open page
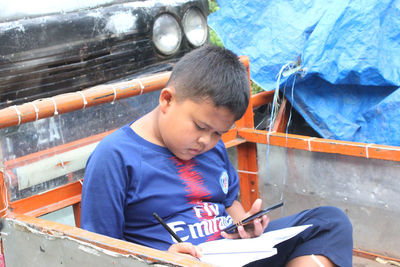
238, 252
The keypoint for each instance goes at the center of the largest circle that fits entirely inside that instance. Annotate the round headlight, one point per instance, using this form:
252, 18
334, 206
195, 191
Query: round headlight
195, 26
167, 34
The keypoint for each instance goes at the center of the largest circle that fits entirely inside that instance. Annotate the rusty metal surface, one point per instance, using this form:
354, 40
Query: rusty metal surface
29, 241
44, 55
27, 246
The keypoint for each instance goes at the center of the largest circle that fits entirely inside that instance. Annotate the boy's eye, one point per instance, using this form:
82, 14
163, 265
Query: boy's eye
198, 127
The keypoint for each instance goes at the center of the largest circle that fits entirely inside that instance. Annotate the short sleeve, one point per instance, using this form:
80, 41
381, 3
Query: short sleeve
233, 188
103, 192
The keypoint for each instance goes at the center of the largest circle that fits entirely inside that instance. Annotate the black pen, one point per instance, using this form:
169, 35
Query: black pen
167, 227
251, 218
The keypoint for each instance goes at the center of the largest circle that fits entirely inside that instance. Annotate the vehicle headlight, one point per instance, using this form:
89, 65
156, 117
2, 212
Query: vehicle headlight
167, 34
195, 26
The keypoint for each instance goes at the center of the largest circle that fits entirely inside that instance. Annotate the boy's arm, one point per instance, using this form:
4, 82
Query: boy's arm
237, 212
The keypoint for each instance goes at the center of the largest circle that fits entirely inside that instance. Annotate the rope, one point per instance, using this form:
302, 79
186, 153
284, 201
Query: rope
84, 99
366, 150
36, 110
115, 95
309, 143
18, 113
141, 86
55, 106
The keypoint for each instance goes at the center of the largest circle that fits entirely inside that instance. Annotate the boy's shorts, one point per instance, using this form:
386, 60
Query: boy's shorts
330, 235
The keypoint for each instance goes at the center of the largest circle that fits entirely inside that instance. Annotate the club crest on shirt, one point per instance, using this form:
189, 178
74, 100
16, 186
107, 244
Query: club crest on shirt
223, 181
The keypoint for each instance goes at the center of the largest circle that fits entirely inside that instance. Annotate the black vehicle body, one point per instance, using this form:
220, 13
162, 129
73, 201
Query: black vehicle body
42, 56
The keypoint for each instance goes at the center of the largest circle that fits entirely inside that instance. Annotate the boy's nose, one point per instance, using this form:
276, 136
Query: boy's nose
205, 139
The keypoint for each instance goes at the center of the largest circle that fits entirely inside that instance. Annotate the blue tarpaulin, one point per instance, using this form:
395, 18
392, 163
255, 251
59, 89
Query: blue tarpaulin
348, 60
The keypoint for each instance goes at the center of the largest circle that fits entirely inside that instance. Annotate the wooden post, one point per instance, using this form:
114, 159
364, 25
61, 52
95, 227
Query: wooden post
4, 195
77, 214
247, 157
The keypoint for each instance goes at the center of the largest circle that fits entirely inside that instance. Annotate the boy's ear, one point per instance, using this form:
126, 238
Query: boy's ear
167, 96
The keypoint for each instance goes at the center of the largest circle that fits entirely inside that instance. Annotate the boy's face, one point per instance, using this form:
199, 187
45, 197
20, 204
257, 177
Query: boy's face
189, 128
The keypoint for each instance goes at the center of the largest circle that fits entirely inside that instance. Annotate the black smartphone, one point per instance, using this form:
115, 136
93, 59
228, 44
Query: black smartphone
247, 222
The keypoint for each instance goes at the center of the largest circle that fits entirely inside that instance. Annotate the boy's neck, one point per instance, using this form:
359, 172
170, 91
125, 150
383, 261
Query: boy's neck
146, 127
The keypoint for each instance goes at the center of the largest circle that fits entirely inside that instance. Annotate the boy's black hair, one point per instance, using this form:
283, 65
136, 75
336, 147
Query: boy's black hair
212, 73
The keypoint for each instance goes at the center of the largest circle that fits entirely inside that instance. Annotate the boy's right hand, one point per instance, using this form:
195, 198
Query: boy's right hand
186, 248
259, 224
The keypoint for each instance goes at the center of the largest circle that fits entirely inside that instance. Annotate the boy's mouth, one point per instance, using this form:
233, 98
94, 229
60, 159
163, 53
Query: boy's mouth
194, 151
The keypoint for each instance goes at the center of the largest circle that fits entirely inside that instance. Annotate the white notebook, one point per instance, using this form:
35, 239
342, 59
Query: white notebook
238, 252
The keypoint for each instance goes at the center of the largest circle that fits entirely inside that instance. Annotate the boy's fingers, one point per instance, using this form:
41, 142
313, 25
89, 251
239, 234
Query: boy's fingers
258, 228
242, 232
199, 252
259, 224
265, 222
229, 236
256, 207
186, 248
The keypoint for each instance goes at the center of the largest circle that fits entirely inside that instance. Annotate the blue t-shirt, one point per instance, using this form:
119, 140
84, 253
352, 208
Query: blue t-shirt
128, 178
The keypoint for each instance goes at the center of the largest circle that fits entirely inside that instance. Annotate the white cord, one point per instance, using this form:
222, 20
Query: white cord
366, 150
61, 162
115, 95
275, 104
309, 143
141, 86
84, 99
18, 113
36, 110
248, 172
268, 134
55, 106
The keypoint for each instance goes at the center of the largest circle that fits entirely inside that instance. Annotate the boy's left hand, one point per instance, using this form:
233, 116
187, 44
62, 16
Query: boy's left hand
258, 228
187, 249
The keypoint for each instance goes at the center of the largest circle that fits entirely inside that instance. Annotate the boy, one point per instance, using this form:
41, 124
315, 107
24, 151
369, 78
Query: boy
171, 161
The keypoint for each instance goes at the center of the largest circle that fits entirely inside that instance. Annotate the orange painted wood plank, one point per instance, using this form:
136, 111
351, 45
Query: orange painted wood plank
49, 201
77, 213
248, 174
229, 136
247, 120
235, 142
282, 118
314, 144
262, 98
4, 196
247, 158
373, 255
